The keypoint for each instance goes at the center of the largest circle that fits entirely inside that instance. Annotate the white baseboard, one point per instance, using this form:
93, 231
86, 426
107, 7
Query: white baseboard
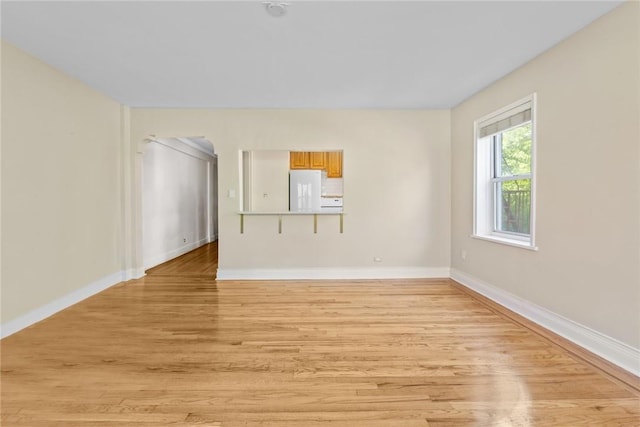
133, 273
59, 304
331, 273
173, 253
616, 352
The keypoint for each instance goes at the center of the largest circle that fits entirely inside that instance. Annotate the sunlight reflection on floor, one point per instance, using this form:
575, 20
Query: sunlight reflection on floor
512, 400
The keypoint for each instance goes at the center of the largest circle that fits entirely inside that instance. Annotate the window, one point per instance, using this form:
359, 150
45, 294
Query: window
504, 175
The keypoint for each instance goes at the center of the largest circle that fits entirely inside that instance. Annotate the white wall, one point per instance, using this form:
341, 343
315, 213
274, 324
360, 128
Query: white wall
61, 182
396, 187
587, 268
213, 199
178, 213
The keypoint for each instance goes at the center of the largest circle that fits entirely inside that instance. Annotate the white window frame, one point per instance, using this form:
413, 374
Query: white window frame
484, 204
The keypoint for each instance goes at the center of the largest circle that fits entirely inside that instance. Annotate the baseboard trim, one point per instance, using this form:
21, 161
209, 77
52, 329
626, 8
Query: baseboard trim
133, 273
174, 253
603, 346
332, 273
49, 309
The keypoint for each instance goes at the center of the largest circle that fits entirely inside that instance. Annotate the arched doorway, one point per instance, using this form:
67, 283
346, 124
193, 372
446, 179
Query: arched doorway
179, 197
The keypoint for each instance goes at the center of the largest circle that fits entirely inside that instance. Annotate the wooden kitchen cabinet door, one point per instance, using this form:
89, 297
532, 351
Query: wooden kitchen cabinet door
299, 160
334, 164
318, 160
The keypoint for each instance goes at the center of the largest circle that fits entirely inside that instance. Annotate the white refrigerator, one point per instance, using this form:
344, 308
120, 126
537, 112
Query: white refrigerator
305, 190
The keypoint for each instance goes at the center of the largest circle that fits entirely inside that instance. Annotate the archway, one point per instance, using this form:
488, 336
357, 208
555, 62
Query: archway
178, 197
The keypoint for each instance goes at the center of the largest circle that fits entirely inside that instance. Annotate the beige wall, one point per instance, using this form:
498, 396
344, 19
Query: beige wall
396, 180
588, 180
60, 185
269, 181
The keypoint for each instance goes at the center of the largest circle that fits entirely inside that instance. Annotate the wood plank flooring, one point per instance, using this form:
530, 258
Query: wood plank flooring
201, 262
176, 348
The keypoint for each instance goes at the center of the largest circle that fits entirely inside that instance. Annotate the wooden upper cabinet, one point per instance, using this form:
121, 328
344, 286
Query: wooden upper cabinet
330, 161
334, 164
318, 160
299, 160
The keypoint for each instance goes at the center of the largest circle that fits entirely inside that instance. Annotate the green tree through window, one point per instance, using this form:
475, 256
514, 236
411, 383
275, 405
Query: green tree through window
512, 179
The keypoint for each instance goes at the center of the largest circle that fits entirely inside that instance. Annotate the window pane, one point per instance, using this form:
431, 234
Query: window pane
513, 150
513, 206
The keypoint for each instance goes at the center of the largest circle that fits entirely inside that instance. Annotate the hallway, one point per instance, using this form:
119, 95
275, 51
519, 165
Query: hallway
199, 262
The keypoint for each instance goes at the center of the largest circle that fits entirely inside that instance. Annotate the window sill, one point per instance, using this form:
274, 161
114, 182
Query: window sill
506, 241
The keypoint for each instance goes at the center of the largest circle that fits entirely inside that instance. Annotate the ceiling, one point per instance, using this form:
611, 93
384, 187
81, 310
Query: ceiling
321, 54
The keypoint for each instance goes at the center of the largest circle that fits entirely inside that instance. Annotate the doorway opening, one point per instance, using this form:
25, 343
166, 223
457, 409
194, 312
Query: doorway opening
179, 204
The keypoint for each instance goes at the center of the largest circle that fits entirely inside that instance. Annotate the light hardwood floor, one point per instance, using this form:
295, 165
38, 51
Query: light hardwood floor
176, 348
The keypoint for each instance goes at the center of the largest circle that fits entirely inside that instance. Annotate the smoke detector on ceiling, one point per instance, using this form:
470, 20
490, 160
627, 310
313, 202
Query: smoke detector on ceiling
276, 9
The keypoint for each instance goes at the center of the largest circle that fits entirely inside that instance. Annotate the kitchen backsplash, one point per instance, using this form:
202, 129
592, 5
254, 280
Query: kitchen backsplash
332, 187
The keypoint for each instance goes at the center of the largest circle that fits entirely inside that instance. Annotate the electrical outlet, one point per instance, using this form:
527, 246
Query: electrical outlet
463, 255
377, 259
184, 240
